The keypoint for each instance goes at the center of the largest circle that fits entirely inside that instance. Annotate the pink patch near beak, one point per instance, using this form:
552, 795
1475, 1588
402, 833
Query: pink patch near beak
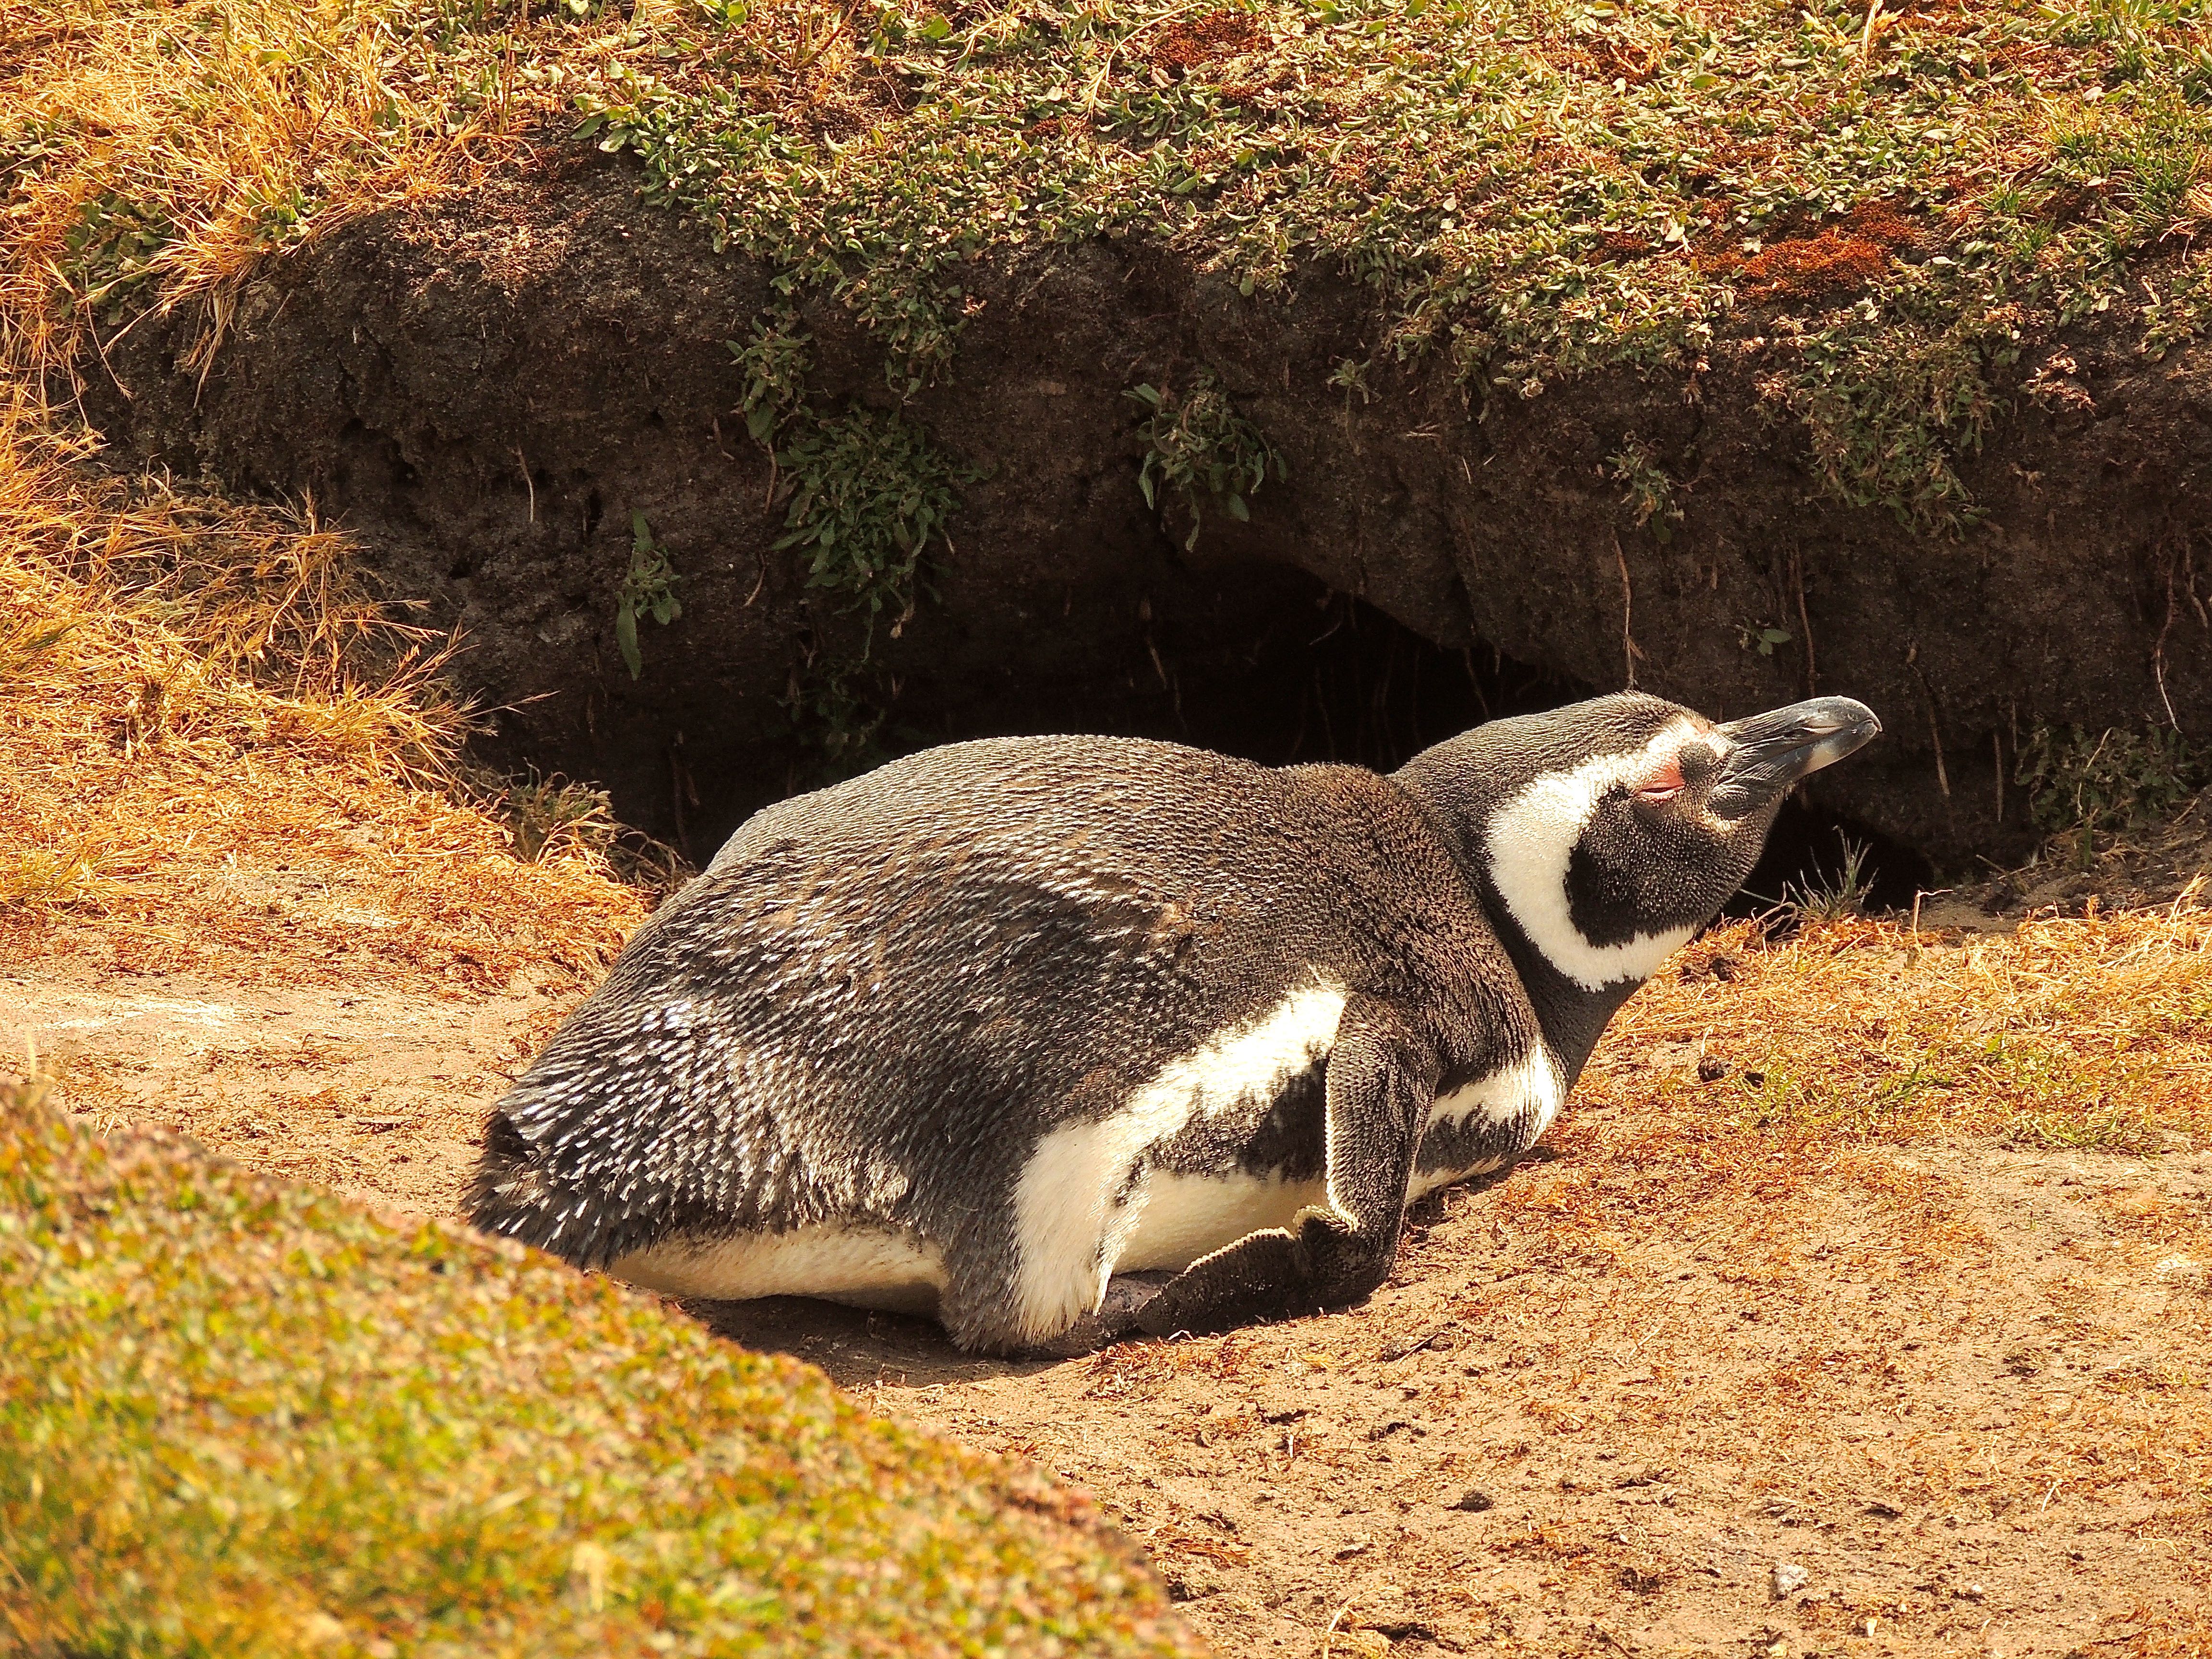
1663, 784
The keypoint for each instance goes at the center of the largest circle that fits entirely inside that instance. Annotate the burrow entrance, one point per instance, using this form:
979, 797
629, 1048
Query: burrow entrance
1300, 672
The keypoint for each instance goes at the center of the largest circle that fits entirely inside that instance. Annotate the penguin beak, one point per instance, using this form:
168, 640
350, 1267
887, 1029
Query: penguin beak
1770, 753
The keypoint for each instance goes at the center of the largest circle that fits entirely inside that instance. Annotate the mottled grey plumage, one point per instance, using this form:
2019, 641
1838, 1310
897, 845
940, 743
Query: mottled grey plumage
1002, 1020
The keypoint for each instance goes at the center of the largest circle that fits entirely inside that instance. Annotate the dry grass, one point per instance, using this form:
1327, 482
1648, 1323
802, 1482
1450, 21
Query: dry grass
158, 148
2089, 1032
221, 755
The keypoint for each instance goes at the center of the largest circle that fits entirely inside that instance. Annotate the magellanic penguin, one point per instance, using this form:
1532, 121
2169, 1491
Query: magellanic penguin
1062, 1038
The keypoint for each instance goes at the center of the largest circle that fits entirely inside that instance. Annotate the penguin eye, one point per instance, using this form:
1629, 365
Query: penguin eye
1661, 786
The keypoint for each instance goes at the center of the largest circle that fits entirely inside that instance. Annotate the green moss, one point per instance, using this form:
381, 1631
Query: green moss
244, 1418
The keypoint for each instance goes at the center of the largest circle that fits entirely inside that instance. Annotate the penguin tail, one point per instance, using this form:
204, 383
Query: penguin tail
513, 1195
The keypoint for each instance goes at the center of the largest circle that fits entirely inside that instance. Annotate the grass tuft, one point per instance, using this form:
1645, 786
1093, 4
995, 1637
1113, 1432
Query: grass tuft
223, 753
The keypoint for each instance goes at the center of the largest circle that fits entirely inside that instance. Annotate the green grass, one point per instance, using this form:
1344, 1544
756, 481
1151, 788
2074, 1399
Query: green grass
243, 1418
2083, 1033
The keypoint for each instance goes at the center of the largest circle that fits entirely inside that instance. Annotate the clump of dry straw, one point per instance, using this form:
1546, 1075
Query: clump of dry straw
221, 754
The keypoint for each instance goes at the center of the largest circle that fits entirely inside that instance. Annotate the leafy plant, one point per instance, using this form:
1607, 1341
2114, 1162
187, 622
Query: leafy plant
1891, 405
1761, 637
775, 360
649, 589
1649, 487
1197, 444
110, 252
842, 711
276, 216
869, 494
2116, 779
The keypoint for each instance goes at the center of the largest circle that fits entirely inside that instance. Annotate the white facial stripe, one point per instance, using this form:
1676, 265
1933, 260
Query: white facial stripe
1070, 1231
1531, 839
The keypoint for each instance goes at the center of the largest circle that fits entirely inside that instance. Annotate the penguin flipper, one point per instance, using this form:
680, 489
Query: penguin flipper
1381, 1079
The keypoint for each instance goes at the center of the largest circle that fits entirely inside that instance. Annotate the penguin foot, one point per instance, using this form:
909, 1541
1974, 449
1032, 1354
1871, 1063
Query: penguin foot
1127, 1295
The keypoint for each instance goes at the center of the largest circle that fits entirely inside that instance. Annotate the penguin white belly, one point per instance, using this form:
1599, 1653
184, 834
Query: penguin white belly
1515, 1104
1080, 1200
1188, 1216
870, 1267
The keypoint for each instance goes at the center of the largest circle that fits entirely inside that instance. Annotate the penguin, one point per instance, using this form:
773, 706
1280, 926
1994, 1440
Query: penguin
1067, 1039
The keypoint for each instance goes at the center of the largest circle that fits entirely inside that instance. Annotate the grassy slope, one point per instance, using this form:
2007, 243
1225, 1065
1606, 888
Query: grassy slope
2087, 1031
247, 1418
1530, 187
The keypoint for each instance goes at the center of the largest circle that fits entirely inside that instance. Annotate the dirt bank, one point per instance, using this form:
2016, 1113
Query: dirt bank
489, 388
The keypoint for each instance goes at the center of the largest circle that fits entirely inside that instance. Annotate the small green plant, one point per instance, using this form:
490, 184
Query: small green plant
1649, 488
841, 711
1761, 638
649, 589
1827, 897
110, 252
547, 816
775, 360
2079, 784
2136, 29
1891, 403
869, 494
1197, 444
277, 216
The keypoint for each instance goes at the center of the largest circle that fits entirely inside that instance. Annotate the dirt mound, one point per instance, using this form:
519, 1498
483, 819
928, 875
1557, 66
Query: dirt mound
502, 392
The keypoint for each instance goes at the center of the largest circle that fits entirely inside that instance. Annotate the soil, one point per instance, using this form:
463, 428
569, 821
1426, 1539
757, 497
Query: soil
487, 386
1877, 1400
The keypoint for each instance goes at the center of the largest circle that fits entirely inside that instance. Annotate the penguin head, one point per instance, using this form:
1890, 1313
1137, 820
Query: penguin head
1608, 831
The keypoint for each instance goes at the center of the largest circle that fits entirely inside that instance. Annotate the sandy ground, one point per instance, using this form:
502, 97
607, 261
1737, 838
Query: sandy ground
1760, 1397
